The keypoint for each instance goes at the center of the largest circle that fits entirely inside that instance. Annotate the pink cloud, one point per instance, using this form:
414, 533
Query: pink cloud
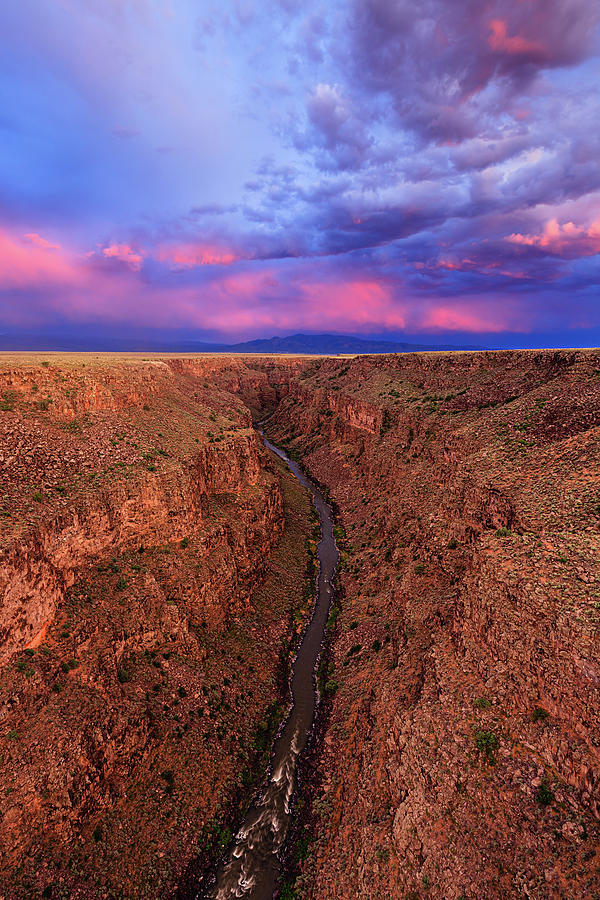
455, 317
187, 256
356, 302
26, 264
125, 253
41, 242
567, 240
517, 45
242, 298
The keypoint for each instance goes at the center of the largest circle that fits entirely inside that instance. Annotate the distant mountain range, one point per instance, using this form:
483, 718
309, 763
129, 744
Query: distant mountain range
319, 344
333, 343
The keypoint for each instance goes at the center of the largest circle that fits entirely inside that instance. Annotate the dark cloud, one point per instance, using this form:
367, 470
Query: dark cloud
435, 58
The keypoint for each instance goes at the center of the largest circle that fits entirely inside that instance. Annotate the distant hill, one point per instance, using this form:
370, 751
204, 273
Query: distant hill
333, 343
326, 344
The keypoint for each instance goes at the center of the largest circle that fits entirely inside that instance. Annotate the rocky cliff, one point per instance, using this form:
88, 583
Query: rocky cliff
460, 759
145, 534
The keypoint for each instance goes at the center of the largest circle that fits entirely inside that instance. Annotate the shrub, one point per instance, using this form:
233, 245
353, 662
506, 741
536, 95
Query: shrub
97, 833
24, 667
121, 584
482, 703
376, 645
503, 532
486, 742
544, 795
452, 545
169, 779
123, 676
539, 714
37, 497
419, 568
183, 544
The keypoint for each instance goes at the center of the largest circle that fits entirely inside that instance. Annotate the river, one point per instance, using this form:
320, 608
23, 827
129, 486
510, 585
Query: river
252, 868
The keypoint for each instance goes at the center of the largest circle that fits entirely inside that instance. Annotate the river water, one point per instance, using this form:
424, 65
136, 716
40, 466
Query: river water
252, 869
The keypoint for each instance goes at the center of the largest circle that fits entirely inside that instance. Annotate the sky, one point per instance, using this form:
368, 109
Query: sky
243, 168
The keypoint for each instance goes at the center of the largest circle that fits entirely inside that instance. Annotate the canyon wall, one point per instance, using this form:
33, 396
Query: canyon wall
146, 546
461, 753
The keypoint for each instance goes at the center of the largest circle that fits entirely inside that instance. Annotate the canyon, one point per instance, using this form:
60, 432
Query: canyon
157, 570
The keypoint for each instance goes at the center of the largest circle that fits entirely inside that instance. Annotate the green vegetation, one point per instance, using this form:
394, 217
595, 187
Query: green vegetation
215, 838
487, 742
24, 667
339, 532
67, 666
482, 703
544, 795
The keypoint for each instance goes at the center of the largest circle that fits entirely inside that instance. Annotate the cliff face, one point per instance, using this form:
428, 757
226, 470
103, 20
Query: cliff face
144, 532
461, 755
260, 382
142, 502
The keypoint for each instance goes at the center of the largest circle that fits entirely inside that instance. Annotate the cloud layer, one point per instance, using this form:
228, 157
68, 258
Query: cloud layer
378, 166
